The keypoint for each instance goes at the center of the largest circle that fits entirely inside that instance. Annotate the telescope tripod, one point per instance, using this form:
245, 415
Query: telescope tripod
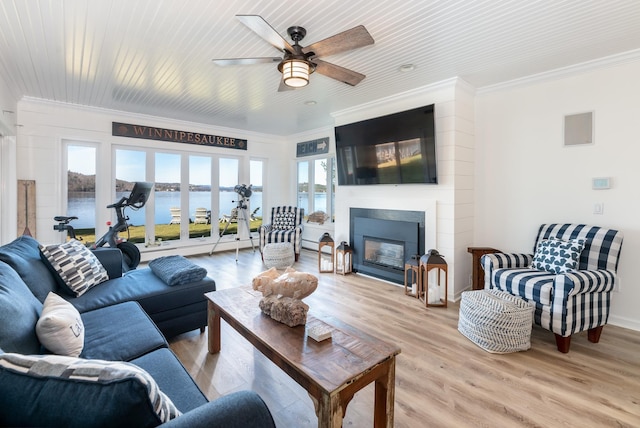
238, 215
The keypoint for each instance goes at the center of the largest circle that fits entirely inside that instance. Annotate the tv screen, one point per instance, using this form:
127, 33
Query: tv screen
398, 148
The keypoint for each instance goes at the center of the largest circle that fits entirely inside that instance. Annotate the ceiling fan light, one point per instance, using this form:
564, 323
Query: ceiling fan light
295, 73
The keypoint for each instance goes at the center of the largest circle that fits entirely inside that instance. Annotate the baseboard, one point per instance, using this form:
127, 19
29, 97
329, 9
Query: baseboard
632, 324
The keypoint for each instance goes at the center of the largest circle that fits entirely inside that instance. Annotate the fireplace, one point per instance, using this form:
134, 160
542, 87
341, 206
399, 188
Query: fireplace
383, 240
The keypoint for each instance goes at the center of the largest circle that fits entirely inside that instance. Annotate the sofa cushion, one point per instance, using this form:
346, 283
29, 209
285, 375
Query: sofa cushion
120, 333
557, 256
530, 284
60, 328
146, 288
172, 378
19, 312
23, 255
77, 267
54, 390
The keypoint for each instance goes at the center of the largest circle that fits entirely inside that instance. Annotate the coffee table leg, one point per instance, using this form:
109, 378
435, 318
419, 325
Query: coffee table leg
385, 396
329, 410
213, 321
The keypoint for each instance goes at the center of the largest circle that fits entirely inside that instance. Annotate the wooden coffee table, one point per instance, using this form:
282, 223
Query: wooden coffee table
331, 371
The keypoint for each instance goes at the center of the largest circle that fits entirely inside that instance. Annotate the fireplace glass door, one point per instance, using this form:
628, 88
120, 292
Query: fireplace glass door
383, 252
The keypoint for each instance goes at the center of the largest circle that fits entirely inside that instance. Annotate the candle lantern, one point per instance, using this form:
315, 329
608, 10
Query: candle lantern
325, 253
434, 275
344, 258
412, 278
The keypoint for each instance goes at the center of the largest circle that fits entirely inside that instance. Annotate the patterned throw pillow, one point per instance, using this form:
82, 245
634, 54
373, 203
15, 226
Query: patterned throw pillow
102, 372
60, 328
284, 221
557, 256
76, 265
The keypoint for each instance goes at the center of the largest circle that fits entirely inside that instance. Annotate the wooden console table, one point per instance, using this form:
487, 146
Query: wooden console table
331, 371
477, 273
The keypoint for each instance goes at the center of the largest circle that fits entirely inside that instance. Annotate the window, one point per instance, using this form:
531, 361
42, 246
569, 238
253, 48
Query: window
256, 176
316, 186
229, 199
169, 213
192, 192
81, 190
200, 196
320, 180
130, 166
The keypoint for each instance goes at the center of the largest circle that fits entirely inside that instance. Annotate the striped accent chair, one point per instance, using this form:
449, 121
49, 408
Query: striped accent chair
577, 298
285, 226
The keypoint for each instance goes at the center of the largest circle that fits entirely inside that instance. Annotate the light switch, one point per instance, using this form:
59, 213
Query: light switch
598, 208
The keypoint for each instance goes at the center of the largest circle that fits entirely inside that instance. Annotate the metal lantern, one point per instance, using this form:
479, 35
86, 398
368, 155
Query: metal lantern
433, 270
344, 258
325, 253
412, 277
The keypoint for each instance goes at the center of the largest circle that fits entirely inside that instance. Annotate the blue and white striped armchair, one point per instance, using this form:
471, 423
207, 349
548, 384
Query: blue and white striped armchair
285, 226
568, 298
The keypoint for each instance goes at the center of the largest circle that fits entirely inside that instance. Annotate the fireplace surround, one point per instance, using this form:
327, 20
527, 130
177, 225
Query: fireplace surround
384, 239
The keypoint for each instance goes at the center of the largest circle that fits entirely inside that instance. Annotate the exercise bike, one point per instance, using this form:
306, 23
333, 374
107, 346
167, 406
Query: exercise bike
130, 252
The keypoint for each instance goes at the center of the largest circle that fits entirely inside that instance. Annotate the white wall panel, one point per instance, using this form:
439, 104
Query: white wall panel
525, 176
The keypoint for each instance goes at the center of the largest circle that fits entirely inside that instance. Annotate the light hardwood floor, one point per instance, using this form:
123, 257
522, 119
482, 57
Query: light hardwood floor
442, 379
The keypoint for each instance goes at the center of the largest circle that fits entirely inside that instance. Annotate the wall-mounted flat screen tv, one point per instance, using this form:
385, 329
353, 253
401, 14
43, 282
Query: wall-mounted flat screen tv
398, 148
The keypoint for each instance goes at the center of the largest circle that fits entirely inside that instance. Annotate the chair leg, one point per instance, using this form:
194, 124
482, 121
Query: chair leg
593, 334
563, 343
201, 329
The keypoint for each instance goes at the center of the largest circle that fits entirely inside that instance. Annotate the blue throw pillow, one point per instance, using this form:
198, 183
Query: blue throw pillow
557, 256
19, 313
284, 221
23, 255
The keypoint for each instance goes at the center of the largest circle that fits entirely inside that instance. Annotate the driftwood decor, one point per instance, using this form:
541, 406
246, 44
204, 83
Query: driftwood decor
282, 294
27, 207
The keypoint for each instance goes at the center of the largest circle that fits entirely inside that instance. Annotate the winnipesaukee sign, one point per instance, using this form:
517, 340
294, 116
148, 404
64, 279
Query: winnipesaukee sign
161, 134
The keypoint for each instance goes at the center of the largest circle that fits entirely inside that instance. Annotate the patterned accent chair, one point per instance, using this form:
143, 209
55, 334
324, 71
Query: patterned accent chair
285, 226
569, 278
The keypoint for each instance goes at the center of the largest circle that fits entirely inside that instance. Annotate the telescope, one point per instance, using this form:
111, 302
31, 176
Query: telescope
243, 190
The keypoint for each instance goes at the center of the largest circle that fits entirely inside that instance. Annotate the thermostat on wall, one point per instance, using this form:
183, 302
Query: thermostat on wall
600, 183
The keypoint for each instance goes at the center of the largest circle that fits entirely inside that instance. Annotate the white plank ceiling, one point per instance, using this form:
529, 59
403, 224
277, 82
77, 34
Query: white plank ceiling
154, 57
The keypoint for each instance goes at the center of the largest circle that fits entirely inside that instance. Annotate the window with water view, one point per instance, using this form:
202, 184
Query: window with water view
183, 205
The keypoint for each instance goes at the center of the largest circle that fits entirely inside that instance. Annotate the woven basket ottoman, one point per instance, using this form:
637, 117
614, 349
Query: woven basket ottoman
278, 254
496, 321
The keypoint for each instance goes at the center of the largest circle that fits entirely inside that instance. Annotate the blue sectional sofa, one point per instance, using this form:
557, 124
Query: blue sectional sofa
125, 374
174, 310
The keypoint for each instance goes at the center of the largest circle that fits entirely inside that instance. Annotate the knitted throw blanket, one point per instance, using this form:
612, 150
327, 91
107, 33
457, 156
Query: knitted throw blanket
177, 270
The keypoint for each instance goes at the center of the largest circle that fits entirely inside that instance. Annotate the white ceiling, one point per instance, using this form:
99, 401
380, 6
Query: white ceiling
154, 57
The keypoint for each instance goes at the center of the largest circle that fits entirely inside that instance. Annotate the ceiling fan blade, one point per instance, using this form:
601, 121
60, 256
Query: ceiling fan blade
245, 61
342, 74
262, 28
351, 39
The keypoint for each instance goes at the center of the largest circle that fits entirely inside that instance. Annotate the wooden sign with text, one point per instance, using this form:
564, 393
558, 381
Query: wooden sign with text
161, 134
313, 147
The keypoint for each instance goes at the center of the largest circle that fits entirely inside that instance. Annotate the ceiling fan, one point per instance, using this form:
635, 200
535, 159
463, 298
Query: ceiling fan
298, 61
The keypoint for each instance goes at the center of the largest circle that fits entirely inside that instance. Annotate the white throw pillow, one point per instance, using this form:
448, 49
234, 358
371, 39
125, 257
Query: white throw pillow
60, 328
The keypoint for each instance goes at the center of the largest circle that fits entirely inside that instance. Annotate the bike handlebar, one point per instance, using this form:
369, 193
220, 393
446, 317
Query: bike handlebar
120, 203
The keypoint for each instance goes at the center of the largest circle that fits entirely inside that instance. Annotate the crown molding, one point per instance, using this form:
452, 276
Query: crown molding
169, 122
428, 94
571, 70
